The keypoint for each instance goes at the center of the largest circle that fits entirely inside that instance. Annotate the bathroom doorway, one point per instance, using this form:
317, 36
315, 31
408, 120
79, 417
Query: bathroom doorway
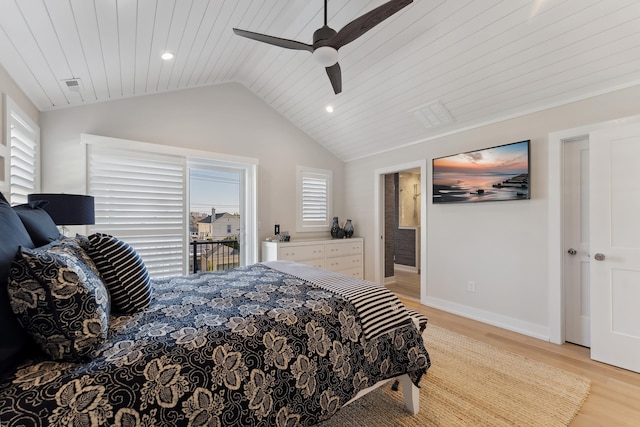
402, 223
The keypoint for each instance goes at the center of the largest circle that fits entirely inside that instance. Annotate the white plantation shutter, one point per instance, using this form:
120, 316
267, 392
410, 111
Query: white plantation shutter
140, 198
24, 141
313, 199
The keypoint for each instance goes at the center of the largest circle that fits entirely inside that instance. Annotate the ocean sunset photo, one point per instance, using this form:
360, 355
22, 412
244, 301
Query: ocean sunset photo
496, 173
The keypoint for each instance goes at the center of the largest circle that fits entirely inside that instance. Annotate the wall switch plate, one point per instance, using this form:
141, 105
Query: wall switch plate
471, 286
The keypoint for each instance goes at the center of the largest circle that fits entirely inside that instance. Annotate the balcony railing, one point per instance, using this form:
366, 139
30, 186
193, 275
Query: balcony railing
213, 255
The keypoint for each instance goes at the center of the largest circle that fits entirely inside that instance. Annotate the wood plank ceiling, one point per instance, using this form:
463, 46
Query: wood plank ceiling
482, 60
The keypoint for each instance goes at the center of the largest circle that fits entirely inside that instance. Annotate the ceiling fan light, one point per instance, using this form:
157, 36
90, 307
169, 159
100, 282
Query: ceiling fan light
326, 56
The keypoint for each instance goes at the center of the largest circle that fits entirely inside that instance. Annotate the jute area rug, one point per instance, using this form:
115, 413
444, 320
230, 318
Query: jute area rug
471, 383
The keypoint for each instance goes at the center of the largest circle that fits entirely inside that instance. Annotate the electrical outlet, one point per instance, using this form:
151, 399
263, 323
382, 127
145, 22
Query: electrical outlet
471, 286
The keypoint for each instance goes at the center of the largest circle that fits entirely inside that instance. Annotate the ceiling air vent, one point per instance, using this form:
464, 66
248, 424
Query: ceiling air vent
74, 85
433, 114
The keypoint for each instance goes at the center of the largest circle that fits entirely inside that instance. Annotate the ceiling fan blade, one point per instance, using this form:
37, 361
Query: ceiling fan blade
364, 23
276, 41
336, 77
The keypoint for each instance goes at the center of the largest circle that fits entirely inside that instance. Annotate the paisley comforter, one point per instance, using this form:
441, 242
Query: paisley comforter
250, 346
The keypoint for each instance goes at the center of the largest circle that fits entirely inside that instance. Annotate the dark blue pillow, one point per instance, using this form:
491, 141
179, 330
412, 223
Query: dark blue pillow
38, 223
13, 338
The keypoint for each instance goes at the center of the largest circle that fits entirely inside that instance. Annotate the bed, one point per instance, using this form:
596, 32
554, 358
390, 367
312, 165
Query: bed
278, 344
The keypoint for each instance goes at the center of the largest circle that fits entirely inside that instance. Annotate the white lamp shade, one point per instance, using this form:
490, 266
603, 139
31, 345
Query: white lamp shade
326, 56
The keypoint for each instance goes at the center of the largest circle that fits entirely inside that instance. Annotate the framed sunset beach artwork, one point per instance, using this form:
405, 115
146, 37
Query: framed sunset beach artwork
490, 174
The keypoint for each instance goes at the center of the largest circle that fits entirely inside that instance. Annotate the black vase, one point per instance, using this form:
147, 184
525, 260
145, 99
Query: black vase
335, 227
348, 229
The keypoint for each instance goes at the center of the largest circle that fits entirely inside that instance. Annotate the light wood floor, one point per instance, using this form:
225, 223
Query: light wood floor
406, 284
614, 399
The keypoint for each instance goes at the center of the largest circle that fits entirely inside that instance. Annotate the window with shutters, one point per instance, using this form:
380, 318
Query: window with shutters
140, 198
142, 195
20, 154
313, 200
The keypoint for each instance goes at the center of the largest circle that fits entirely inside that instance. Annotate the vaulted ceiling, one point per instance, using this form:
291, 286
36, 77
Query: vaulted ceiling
473, 61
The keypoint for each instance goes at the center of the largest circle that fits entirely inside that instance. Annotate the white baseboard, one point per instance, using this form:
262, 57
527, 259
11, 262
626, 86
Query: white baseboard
407, 268
390, 279
504, 322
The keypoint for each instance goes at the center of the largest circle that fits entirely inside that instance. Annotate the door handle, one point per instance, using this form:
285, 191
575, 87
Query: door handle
599, 257
572, 251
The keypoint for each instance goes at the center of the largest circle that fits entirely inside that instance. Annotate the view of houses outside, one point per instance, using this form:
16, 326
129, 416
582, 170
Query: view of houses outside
214, 220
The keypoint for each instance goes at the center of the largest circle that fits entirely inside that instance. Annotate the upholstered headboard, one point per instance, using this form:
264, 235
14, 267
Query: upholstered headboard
25, 226
12, 337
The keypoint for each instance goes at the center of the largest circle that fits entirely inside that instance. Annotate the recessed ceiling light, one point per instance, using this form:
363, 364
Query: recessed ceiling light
167, 56
329, 109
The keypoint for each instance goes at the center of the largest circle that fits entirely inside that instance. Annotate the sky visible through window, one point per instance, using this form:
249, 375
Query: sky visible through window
214, 189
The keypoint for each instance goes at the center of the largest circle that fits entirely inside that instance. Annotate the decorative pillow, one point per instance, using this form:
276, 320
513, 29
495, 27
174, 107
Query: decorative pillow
38, 223
60, 300
123, 271
13, 338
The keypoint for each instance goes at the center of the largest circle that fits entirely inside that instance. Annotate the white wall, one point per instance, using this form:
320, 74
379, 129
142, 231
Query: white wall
502, 246
226, 119
10, 88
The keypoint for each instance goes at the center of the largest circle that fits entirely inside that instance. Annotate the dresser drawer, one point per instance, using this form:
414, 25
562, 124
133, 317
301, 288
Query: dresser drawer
353, 272
344, 263
301, 253
344, 248
345, 256
313, 262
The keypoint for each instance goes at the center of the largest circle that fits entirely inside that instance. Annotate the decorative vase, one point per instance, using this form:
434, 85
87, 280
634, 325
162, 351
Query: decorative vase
348, 229
335, 227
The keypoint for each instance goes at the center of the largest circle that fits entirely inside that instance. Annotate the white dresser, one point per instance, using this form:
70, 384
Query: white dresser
343, 255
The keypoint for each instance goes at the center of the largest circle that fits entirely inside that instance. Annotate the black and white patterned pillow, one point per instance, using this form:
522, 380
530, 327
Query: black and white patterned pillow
60, 300
123, 272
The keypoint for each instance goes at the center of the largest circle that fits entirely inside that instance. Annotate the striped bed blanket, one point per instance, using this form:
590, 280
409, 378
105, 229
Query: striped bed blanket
380, 311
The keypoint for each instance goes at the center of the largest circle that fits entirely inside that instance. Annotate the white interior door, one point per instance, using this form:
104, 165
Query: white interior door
615, 246
576, 241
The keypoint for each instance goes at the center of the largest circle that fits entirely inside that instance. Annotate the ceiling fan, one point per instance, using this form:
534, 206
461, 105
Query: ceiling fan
326, 41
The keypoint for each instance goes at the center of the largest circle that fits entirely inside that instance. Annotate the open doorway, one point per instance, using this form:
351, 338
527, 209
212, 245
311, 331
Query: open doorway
402, 197
401, 223
575, 226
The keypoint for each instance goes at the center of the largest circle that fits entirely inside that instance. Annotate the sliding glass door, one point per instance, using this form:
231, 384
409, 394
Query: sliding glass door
215, 226
181, 210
